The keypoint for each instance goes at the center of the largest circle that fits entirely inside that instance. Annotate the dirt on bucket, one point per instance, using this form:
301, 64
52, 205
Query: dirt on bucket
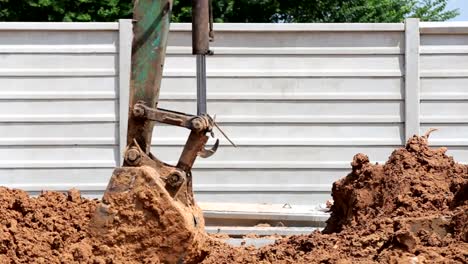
412, 209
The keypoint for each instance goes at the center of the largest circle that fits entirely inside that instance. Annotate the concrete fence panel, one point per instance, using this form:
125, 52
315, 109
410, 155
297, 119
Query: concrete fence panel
298, 99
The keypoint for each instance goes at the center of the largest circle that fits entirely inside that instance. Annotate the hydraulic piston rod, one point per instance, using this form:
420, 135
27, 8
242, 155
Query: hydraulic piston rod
200, 48
201, 85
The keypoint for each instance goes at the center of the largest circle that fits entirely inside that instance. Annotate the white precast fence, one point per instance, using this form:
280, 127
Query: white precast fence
299, 99
58, 104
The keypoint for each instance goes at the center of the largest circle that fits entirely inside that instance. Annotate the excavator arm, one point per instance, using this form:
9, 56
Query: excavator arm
146, 191
151, 28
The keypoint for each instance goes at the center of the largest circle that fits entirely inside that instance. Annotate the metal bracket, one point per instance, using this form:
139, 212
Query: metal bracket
174, 177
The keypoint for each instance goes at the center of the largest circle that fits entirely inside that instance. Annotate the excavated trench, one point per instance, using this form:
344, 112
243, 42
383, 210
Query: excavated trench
412, 209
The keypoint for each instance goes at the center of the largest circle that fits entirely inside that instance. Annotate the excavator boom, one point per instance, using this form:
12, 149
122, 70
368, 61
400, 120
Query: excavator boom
151, 21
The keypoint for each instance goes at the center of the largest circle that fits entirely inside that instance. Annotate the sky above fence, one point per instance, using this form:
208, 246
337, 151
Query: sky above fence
463, 6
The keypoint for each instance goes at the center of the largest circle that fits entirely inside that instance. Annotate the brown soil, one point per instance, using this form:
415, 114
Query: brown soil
46, 229
412, 209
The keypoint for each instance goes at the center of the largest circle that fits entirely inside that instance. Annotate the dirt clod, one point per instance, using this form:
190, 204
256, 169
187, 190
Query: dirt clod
412, 209
74, 195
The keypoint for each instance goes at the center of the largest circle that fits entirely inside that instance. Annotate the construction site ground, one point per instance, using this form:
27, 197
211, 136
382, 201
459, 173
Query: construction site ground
412, 209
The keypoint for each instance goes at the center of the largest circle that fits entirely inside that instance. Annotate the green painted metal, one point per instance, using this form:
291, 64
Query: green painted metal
150, 29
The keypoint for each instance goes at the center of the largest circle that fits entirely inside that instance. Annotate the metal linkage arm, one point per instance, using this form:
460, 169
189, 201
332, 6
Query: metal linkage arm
201, 123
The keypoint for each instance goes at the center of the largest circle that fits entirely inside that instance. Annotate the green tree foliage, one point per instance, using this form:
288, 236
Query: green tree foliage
235, 10
64, 10
433, 10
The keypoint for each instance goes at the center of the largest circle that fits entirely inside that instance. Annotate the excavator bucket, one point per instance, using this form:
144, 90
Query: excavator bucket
148, 205
137, 207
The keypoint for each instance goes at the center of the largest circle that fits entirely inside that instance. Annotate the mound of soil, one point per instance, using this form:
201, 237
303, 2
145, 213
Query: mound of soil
412, 209
48, 229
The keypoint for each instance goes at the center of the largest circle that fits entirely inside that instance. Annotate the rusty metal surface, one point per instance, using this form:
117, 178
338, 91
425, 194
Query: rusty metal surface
150, 29
175, 179
200, 27
195, 143
202, 123
162, 115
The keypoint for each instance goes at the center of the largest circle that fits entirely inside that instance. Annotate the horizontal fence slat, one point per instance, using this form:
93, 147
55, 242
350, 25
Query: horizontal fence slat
292, 27
274, 165
57, 141
59, 26
56, 118
29, 164
57, 72
444, 49
444, 96
197, 187
439, 119
291, 50
56, 95
444, 73
284, 96
58, 49
290, 142
286, 73
444, 27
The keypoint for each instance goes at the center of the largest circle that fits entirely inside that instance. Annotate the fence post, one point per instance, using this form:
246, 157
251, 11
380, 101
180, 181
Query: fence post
125, 54
412, 78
